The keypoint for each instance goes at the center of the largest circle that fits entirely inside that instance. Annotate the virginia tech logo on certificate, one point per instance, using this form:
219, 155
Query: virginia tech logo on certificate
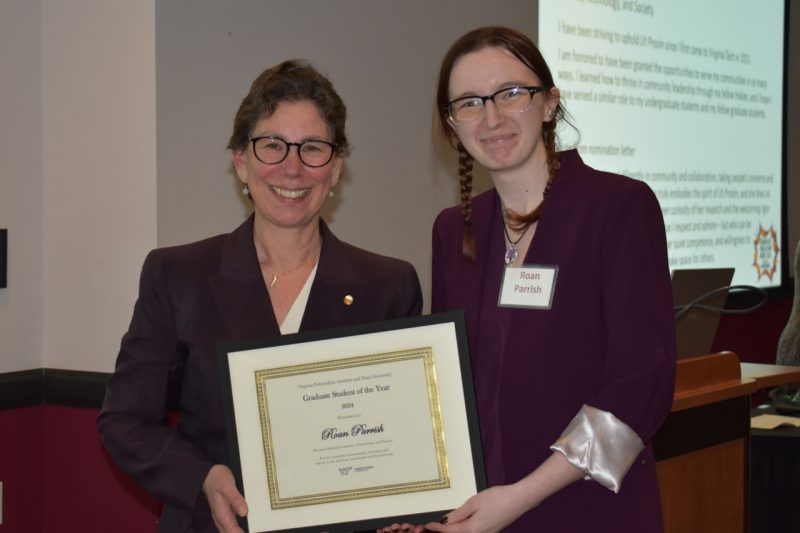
352, 428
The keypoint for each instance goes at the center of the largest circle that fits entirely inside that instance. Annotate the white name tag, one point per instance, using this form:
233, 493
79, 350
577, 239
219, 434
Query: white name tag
528, 286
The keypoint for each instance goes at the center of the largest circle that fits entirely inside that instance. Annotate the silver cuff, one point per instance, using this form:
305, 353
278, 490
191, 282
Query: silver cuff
599, 445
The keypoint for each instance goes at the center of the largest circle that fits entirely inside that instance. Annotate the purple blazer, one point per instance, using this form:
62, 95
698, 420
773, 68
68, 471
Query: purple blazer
608, 340
190, 298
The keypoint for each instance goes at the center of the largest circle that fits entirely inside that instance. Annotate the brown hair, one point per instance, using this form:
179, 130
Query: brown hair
523, 49
290, 81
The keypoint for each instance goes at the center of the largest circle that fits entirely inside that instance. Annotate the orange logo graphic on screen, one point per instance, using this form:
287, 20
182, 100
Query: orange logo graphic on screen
765, 255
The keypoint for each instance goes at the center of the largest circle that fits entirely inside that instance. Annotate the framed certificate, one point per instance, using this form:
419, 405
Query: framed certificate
353, 428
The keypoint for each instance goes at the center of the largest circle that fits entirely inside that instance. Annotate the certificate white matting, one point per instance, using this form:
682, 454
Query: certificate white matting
353, 428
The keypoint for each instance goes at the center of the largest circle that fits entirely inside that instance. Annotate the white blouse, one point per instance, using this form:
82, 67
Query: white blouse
291, 324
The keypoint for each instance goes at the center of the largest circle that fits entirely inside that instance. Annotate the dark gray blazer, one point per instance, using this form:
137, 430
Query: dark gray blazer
190, 298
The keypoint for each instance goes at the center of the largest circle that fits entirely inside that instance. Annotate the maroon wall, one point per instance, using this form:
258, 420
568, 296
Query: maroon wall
57, 477
21, 469
754, 336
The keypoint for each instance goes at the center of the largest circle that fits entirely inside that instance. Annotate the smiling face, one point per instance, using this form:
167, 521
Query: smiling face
288, 194
501, 141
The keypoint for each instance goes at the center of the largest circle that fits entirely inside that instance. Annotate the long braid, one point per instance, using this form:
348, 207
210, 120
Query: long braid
465, 164
519, 222
553, 161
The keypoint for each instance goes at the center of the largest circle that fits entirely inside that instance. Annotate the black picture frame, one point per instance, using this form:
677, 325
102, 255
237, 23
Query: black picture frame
261, 354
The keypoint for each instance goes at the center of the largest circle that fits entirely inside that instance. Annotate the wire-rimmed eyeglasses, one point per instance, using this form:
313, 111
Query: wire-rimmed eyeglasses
312, 152
508, 100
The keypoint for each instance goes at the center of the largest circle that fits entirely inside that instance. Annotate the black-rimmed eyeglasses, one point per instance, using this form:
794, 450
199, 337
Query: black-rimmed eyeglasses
509, 100
273, 150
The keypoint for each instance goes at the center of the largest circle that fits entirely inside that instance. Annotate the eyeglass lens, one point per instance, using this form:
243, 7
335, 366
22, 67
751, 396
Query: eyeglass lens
273, 150
511, 99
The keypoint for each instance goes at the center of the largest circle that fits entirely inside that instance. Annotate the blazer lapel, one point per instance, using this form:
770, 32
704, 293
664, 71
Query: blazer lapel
334, 281
239, 291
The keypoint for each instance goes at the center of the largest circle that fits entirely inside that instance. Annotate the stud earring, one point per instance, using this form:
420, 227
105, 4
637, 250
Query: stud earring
246, 190
330, 193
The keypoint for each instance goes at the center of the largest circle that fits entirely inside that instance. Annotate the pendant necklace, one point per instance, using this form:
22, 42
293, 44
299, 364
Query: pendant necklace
276, 276
511, 251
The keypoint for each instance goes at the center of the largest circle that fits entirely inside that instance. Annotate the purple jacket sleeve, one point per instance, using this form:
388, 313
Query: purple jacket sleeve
133, 422
637, 378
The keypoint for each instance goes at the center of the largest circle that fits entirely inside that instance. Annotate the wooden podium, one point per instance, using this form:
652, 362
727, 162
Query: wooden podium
703, 448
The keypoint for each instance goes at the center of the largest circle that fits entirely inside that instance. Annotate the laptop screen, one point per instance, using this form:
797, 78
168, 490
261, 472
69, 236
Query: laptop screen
696, 328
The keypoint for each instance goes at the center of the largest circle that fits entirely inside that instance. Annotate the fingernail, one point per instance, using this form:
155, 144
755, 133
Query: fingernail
242, 511
443, 520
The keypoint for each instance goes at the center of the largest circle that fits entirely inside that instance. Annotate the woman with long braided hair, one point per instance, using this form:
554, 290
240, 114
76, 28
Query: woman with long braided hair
562, 271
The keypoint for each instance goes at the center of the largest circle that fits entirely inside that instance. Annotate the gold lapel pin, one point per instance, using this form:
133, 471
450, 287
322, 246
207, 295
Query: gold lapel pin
348, 300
